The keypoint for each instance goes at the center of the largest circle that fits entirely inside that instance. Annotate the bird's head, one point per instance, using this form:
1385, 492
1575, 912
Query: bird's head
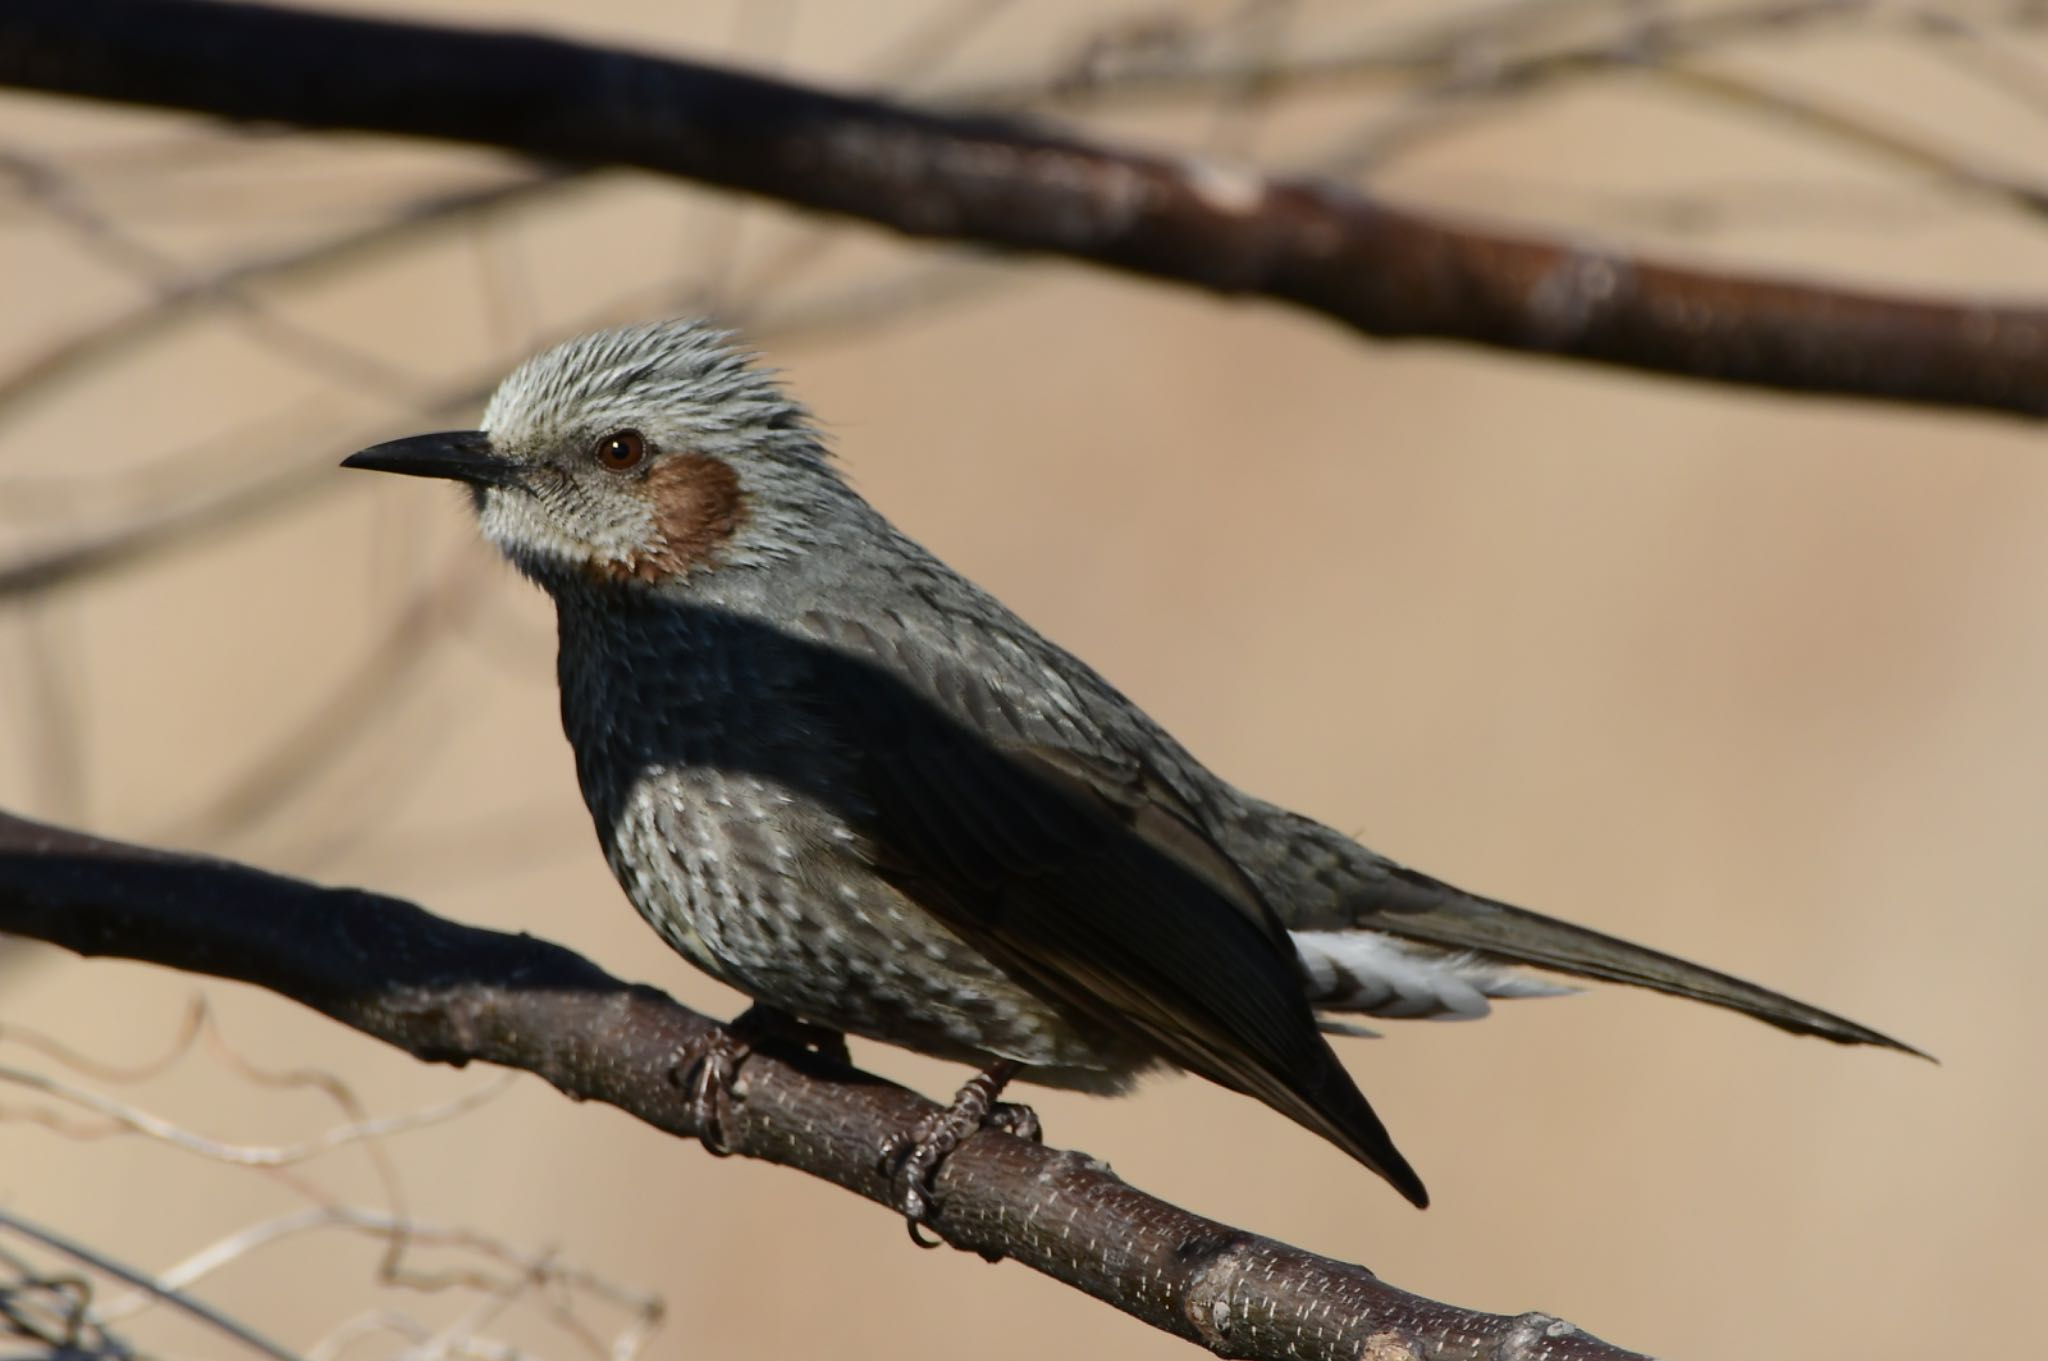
642, 454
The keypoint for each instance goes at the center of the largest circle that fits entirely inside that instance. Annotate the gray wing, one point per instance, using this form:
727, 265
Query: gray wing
1056, 850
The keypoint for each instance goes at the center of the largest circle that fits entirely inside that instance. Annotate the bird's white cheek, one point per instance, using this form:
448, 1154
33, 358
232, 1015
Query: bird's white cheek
520, 527
532, 529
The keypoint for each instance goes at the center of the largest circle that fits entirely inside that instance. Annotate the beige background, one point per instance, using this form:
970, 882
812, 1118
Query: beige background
1756, 680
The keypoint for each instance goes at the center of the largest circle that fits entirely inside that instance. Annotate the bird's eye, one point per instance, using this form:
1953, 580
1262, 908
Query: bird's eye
621, 451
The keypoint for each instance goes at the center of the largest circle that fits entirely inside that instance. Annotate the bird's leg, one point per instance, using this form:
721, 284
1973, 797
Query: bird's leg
772, 1024
713, 1072
913, 1158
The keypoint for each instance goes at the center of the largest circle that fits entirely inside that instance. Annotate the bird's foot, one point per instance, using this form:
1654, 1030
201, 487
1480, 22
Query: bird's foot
912, 1158
1016, 1120
712, 1074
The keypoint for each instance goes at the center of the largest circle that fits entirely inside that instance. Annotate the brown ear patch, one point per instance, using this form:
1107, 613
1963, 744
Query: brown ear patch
698, 506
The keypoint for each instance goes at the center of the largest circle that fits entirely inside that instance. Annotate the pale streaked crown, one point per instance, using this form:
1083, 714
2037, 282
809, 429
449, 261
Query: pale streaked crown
734, 474
686, 379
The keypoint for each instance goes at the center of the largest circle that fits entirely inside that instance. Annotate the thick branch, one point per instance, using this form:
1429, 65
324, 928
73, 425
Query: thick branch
1386, 271
450, 993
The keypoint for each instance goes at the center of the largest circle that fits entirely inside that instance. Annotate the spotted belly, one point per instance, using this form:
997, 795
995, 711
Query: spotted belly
768, 893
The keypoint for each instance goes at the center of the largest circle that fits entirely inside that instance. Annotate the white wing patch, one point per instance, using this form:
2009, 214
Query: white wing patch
1364, 971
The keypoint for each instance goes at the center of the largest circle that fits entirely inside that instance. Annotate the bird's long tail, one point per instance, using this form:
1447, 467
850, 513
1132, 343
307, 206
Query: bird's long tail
1350, 910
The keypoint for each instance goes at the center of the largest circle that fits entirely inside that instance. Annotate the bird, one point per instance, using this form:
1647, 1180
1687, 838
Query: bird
835, 774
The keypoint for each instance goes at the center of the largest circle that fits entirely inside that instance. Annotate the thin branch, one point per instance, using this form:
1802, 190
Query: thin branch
182, 1040
168, 279
191, 294
1385, 271
334, 727
153, 531
156, 527
99, 1261
1676, 50
123, 1115
646, 1309
370, 1324
1908, 150
1975, 47
454, 994
55, 1311
479, 1264
53, 709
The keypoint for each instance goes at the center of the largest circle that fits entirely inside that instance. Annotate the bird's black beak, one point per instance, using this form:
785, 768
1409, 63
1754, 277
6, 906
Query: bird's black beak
464, 455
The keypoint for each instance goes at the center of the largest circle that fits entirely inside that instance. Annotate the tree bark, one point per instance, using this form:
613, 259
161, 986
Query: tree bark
448, 993
1386, 271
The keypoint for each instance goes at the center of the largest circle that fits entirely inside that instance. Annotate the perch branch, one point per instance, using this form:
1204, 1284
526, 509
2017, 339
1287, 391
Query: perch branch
1386, 271
450, 993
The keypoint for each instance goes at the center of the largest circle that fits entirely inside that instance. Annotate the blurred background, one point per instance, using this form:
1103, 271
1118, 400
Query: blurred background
1755, 680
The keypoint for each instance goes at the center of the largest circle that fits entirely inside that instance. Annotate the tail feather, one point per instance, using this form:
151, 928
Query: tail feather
1325, 886
1413, 906
1371, 972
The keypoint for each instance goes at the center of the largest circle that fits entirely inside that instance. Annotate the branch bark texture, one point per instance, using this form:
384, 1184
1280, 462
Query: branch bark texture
450, 993
1385, 271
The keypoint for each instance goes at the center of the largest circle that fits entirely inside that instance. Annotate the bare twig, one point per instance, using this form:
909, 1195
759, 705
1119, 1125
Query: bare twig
1863, 131
137, 539
467, 1259
170, 279
370, 1323
122, 1115
1673, 49
1385, 271
191, 294
1975, 47
1474, 50
52, 710
55, 1312
182, 1040
333, 726
646, 1308
99, 1261
453, 994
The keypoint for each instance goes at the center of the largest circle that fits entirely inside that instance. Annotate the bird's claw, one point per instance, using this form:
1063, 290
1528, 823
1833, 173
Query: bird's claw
710, 1078
1017, 1121
912, 1157
711, 1074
